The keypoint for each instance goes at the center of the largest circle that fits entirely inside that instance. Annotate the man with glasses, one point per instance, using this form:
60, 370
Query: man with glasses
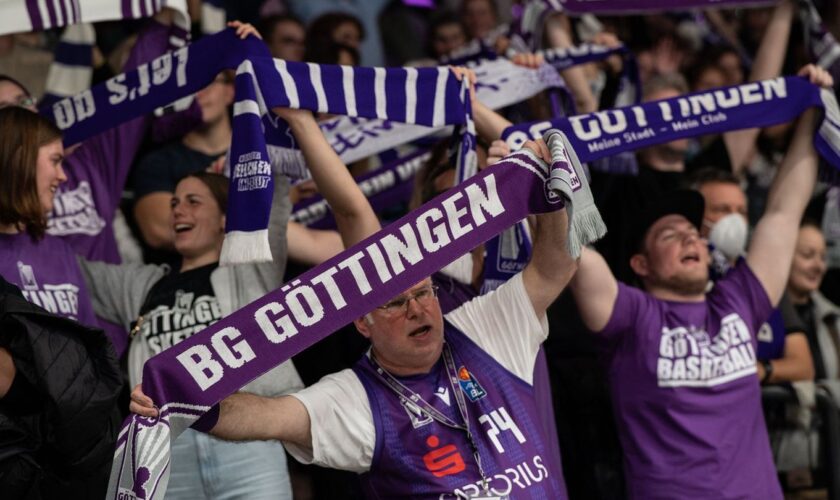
441, 406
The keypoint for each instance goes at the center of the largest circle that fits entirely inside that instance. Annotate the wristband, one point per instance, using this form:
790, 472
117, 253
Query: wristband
768, 370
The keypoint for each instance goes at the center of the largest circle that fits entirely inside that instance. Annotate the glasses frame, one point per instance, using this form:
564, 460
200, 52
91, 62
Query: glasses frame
400, 305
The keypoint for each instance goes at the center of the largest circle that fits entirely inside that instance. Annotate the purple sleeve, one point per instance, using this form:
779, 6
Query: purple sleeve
741, 289
627, 309
107, 157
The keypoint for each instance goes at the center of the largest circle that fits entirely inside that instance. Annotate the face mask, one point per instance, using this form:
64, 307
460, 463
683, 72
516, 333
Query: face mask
729, 235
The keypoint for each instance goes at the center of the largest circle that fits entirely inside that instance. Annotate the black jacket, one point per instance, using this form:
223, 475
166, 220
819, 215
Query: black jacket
59, 422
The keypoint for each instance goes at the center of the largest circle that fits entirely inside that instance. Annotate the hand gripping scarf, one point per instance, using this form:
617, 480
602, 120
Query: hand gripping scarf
509, 252
756, 104
188, 379
431, 97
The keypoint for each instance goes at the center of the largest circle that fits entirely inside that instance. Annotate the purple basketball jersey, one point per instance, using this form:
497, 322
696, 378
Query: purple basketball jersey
417, 456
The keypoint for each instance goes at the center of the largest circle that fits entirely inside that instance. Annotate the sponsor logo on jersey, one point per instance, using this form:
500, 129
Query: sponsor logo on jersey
470, 385
444, 460
443, 394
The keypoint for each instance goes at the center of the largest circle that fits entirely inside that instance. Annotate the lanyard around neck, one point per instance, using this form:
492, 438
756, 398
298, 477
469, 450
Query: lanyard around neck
409, 396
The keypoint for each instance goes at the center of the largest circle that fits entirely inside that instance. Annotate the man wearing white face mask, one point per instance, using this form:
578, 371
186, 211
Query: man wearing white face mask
783, 353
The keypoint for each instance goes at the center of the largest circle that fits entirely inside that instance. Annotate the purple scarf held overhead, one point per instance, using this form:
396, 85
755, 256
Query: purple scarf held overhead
758, 104
18, 16
194, 375
431, 97
625, 7
422, 96
500, 83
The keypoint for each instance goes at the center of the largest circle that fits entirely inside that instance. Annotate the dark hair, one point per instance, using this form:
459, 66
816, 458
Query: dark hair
440, 19
329, 52
323, 26
445, 18
706, 175
810, 222
667, 81
491, 3
216, 183
24, 132
267, 25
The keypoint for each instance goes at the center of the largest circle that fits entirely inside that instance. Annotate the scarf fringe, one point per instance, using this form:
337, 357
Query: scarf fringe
245, 247
588, 227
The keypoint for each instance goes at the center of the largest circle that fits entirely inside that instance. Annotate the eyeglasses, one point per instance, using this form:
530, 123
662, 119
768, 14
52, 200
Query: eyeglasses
23, 101
423, 296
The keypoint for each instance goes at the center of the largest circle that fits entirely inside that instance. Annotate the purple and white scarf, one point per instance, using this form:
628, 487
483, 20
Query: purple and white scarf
756, 104
822, 46
37, 15
190, 378
430, 97
500, 83
625, 7
71, 71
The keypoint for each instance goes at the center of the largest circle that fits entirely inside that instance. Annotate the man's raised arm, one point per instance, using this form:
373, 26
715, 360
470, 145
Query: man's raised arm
551, 267
595, 290
774, 240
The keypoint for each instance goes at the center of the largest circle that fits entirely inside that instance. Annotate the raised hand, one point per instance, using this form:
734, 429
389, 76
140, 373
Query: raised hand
243, 30
817, 76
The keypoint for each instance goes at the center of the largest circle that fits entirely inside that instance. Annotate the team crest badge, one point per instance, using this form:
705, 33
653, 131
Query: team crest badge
470, 385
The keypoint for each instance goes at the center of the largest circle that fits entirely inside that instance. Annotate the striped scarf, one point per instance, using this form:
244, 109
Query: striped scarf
756, 104
623, 7
38, 15
822, 46
430, 97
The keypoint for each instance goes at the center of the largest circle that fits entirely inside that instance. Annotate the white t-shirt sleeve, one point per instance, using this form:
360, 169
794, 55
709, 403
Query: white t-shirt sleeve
505, 325
341, 423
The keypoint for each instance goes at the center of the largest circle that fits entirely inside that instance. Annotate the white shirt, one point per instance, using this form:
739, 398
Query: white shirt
503, 323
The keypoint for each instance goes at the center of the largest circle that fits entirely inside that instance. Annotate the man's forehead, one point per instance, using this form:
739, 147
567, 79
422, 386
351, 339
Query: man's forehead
670, 221
722, 189
426, 282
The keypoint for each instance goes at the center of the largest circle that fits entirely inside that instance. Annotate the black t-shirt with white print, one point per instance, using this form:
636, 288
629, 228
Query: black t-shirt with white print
178, 306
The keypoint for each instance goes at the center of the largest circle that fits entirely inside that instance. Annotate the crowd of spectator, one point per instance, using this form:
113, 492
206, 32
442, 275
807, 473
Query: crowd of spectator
123, 233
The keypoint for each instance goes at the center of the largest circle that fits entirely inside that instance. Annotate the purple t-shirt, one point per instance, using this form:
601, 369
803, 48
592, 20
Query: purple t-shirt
85, 205
686, 397
48, 275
